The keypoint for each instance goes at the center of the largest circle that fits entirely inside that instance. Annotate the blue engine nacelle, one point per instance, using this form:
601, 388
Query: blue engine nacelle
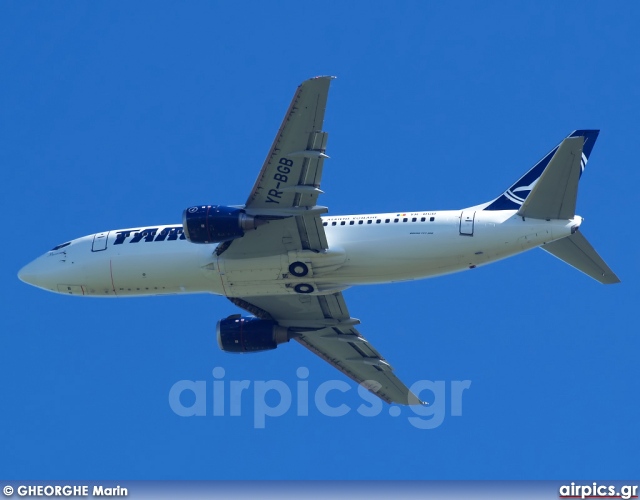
249, 334
216, 223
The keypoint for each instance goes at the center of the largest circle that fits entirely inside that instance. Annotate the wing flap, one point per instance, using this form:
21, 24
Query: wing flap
311, 232
275, 237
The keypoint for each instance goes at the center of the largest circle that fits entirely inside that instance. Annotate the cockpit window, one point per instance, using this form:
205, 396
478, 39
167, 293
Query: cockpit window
61, 246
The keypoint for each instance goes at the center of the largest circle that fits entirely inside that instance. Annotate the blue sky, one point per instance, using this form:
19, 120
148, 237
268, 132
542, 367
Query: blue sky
118, 115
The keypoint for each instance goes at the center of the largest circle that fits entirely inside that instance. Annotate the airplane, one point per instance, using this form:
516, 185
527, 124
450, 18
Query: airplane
284, 262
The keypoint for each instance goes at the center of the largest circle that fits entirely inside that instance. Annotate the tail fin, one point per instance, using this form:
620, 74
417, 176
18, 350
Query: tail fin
549, 191
576, 251
556, 190
514, 198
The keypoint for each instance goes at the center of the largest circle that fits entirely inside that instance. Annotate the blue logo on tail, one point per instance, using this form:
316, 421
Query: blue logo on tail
513, 198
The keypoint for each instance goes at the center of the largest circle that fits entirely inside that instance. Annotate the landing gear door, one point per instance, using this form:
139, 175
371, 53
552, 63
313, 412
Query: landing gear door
467, 219
100, 242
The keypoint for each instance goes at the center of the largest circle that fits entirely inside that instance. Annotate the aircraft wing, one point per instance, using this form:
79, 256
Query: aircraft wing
285, 195
287, 188
324, 326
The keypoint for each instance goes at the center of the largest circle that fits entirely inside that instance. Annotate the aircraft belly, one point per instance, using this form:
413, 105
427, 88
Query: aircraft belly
274, 275
399, 259
392, 255
160, 272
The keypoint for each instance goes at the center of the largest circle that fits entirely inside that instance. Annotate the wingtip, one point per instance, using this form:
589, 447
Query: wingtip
412, 399
321, 77
318, 80
611, 279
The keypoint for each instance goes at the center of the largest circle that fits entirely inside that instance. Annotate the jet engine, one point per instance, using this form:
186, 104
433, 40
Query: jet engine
249, 334
216, 223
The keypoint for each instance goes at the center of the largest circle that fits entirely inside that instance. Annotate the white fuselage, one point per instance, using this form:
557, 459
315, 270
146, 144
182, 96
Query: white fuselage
363, 249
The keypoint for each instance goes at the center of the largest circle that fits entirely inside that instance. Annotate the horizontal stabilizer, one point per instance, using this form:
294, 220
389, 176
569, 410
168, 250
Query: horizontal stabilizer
555, 192
576, 251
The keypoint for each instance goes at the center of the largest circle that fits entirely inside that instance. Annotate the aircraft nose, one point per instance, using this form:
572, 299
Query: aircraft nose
32, 273
60, 270
28, 274
41, 273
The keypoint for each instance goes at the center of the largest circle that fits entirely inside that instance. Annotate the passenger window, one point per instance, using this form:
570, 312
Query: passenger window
431, 219
351, 223
342, 223
386, 221
422, 219
333, 223
324, 223
368, 222
405, 219
414, 219
395, 220
378, 221
360, 222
